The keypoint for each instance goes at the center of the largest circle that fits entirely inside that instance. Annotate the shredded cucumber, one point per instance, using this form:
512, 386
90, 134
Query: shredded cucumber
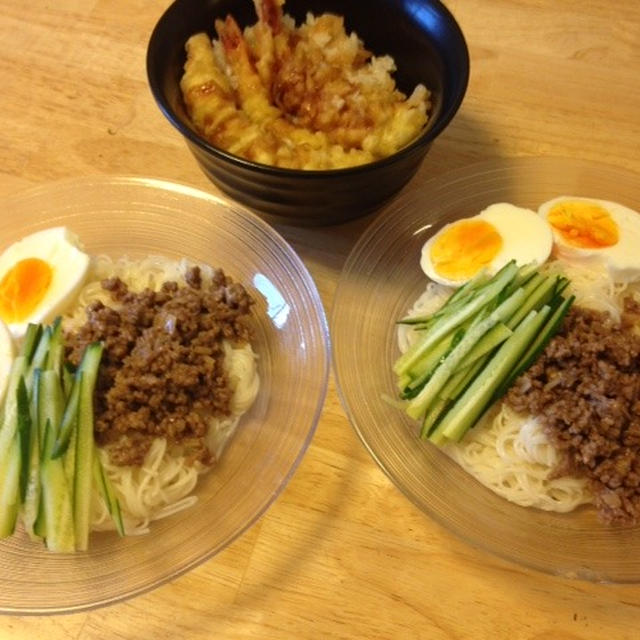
502, 324
475, 400
478, 300
85, 445
49, 465
421, 402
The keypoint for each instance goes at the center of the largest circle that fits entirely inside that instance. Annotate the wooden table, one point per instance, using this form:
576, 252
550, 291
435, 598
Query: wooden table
355, 560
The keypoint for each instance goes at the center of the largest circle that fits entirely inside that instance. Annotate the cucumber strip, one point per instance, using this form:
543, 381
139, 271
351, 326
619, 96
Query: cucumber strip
457, 384
40, 524
550, 328
420, 404
69, 458
424, 369
457, 298
436, 411
432, 359
67, 378
477, 398
105, 489
69, 418
36, 511
475, 360
24, 433
463, 292
533, 283
57, 522
39, 359
85, 446
522, 278
9, 488
55, 354
536, 298
561, 284
36, 388
403, 381
9, 416
452, 305
489, 341
54, 518
424, 320
8, 519
441, 328
57, 507
50, 408
30, 341
427, 335
31, 501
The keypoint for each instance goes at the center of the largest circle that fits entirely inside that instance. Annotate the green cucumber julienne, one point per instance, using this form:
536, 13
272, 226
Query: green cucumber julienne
85, 445
49, 462
502, 325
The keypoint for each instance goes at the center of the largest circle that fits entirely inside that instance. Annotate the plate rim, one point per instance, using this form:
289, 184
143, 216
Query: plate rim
182, 189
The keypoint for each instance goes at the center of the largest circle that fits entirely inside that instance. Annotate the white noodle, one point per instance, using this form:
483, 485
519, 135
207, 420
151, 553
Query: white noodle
164, 483
509, 453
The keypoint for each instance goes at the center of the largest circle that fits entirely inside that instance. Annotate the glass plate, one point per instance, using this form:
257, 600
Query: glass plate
380, 281
138, 217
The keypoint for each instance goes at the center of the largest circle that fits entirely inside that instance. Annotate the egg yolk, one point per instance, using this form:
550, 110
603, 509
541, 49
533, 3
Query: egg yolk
465, 248
22, 288
584, 225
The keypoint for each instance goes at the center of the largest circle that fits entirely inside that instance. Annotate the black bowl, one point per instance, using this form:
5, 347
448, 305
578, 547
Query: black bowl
427, 45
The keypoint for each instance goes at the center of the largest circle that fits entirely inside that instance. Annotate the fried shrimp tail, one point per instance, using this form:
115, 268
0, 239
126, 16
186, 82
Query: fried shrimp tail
262, 39
269, 14
252, 94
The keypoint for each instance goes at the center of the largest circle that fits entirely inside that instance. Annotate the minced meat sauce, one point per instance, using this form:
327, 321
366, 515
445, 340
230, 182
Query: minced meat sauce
586, 389
162, 371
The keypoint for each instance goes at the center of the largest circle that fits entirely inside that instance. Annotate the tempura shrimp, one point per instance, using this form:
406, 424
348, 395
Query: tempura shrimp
211, 105
307, 97
261, 37
252, 95
212, 108
325, 81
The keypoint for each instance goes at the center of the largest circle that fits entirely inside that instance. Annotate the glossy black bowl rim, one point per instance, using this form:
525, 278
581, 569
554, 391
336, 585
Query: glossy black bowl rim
424, 139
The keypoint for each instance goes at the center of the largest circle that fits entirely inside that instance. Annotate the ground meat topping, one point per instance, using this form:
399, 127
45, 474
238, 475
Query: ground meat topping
586, 389
162, 371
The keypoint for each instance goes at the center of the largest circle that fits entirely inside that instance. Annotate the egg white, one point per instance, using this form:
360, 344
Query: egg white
526, 238
622, 260
60, 249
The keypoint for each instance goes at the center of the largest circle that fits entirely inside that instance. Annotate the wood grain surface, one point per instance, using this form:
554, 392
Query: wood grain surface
341, 554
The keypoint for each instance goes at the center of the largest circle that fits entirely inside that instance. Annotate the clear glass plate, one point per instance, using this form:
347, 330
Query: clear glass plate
138, 217
380, 281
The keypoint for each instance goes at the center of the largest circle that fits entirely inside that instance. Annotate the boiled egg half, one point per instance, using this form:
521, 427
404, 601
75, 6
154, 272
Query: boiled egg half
40, 276
500, 233
592, 229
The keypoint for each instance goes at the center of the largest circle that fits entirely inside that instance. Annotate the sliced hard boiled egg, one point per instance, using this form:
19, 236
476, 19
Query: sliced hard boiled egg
40, 276
592, 229
6, 358
500, 233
